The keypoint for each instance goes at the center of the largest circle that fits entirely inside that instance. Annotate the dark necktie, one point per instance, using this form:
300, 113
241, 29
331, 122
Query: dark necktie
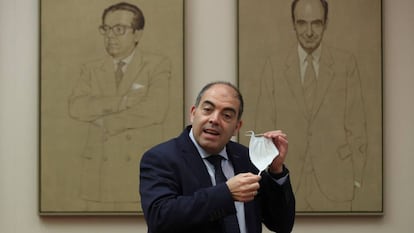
119, 73
309, 84
230, 223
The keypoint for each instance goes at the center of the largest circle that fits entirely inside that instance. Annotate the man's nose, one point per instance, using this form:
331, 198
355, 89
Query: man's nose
110, 33
309, 30
214, 117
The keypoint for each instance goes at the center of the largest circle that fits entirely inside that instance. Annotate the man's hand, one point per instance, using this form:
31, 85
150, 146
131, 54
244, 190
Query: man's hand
244, 186
280, 140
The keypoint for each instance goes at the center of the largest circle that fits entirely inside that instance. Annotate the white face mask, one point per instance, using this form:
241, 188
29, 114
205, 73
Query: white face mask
262, 151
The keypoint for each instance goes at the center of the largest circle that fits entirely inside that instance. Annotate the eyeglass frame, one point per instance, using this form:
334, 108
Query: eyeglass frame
106, 31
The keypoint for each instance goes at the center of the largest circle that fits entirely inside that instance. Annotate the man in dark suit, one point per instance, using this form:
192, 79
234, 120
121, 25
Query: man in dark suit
179, 186
314, 94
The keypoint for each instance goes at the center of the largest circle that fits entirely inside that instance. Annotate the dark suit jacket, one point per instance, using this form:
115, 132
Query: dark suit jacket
177, 194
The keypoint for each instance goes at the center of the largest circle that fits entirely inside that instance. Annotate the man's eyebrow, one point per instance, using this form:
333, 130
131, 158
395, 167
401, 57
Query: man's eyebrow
311, 21
230, 109
317, 21
207, 102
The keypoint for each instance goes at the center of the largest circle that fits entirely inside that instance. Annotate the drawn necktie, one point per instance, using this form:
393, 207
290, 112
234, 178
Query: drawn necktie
309, 84
230, 223
119, 73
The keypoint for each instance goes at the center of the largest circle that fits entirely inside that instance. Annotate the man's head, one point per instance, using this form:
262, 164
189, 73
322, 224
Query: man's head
216, 115
309, 21
122, 27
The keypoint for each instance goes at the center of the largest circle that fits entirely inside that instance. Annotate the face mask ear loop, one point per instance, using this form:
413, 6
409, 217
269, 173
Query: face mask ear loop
249, 133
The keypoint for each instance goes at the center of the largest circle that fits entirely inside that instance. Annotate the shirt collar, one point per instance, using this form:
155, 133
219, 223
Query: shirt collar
315, 54
126, 60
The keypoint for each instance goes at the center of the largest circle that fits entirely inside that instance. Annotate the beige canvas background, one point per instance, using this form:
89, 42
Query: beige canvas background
265, 28
69, 38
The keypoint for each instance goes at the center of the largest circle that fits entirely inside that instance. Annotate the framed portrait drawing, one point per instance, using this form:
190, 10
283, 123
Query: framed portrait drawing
313, 68
111, 87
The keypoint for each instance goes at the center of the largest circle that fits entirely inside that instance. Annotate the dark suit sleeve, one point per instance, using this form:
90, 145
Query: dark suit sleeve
277, 204
173, 200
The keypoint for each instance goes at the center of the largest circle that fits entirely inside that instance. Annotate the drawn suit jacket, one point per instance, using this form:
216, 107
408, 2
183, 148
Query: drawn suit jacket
124, 122
335, 135
178, 196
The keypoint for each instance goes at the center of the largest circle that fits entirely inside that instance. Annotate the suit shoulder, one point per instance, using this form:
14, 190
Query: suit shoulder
167, 149
234, 146
163, 147
338, 57
154, 57
95, 61
340, 53
279, 58
94, 64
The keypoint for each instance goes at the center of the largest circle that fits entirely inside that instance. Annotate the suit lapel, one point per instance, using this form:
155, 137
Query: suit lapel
325, 77
193, 159
237, 166
134, 67
292, 75
106, 77
326, 74
106, 72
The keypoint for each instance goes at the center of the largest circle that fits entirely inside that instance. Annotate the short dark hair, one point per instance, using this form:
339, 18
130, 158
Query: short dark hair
138, 21
324, 5
238, 94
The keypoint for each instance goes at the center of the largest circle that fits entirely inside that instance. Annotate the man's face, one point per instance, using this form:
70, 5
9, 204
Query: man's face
309, 24
215, 120
120, 46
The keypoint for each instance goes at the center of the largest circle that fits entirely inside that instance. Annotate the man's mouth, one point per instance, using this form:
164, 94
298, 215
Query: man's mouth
211, 132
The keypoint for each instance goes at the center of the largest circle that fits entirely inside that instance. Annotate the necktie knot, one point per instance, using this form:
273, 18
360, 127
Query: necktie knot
215, 160
309, 59
120, 64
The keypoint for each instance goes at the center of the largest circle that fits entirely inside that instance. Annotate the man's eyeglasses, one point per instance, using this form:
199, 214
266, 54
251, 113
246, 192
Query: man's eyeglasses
117, 30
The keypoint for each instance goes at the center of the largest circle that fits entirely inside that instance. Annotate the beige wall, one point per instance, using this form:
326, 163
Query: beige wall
210, 55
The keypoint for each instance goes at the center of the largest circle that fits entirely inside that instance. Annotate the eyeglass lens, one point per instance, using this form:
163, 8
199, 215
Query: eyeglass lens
117, 30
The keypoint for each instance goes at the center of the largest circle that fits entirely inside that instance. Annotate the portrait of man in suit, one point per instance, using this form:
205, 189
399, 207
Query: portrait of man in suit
119, 102
313, 90
122, 96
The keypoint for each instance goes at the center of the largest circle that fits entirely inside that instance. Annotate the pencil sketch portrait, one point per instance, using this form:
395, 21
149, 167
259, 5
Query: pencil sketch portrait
111, 89
313, 69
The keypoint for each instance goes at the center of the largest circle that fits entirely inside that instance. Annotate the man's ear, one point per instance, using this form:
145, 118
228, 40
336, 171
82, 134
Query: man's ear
138, 35
325, 24
192, 112
238, 126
